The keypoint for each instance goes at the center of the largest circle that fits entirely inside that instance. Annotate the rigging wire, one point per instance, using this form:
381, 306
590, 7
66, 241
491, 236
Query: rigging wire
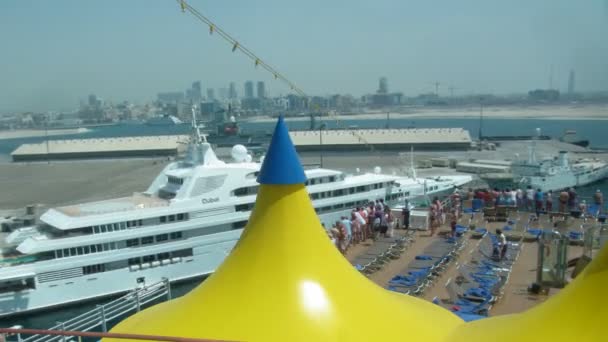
259, 62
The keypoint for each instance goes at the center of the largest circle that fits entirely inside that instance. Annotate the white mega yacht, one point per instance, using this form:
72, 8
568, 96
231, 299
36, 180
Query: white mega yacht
182, 226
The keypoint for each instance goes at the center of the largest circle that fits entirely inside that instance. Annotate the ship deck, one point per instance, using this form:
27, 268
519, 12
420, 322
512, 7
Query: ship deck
136, 201
515, 296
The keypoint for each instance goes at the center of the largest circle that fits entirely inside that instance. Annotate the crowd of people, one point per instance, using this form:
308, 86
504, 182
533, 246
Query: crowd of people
536, 200
368, 222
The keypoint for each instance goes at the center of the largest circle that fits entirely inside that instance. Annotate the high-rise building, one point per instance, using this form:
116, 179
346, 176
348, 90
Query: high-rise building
195, 94
92, 100
383, 86
571, 82
261, 90
249, 90
210, 94
232, 91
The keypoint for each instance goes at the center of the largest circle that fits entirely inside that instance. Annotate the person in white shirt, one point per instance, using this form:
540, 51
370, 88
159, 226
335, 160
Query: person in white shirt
502, 244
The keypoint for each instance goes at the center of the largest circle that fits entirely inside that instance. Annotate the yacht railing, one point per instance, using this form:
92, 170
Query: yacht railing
99, 317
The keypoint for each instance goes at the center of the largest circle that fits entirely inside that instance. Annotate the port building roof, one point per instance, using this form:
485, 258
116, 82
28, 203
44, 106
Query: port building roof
101, 146
405, 136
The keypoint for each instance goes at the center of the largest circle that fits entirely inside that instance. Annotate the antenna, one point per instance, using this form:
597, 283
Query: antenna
480, 119
437, 83
196, 132
412, 167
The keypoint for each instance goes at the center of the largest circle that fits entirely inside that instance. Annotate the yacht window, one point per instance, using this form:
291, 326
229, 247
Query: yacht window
332, 179
175, 180
148, 258
182, 253
313, 181
180, 217
123, 226
93, 269
244, 207
87, 249
163, 219
103, 228
351, 190
93, 248
140, 222
162, 237
339, 192
163, 256
60, 253
176, 235
208, 184
134, 261
106, 247
132, 242
239, 224
246, 191
72, 251
147, 240
171, 218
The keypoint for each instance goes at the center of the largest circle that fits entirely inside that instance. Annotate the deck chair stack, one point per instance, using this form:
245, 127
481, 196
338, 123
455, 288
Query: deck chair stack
481, 282
382, 251
421, 272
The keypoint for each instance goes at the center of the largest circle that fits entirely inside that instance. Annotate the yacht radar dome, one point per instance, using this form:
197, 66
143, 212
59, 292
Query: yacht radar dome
239, 153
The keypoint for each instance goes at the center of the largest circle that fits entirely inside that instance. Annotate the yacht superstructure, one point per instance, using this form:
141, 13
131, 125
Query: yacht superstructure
182, 226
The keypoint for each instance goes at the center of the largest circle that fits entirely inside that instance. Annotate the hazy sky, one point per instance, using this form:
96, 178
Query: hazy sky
54, 53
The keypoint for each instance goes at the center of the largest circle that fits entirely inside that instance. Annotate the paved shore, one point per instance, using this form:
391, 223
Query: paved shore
547, 112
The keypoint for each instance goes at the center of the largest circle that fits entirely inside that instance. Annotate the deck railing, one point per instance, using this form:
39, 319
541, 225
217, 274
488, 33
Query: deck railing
99, 317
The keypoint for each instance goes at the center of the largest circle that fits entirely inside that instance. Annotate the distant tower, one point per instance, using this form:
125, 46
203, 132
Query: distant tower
92, 100
197, 93
249, 90
232, 91
571, 82
383, 86
261, 90
210, 94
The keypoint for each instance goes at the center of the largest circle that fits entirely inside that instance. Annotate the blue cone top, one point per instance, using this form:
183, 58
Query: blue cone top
281, 163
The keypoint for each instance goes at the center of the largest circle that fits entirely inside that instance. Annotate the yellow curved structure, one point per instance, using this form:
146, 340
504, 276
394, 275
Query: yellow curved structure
285, 281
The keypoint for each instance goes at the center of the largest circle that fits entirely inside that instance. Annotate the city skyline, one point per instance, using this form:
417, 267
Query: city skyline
471, 47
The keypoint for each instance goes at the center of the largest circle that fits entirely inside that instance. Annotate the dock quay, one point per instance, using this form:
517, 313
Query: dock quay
445, 139
144, 146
